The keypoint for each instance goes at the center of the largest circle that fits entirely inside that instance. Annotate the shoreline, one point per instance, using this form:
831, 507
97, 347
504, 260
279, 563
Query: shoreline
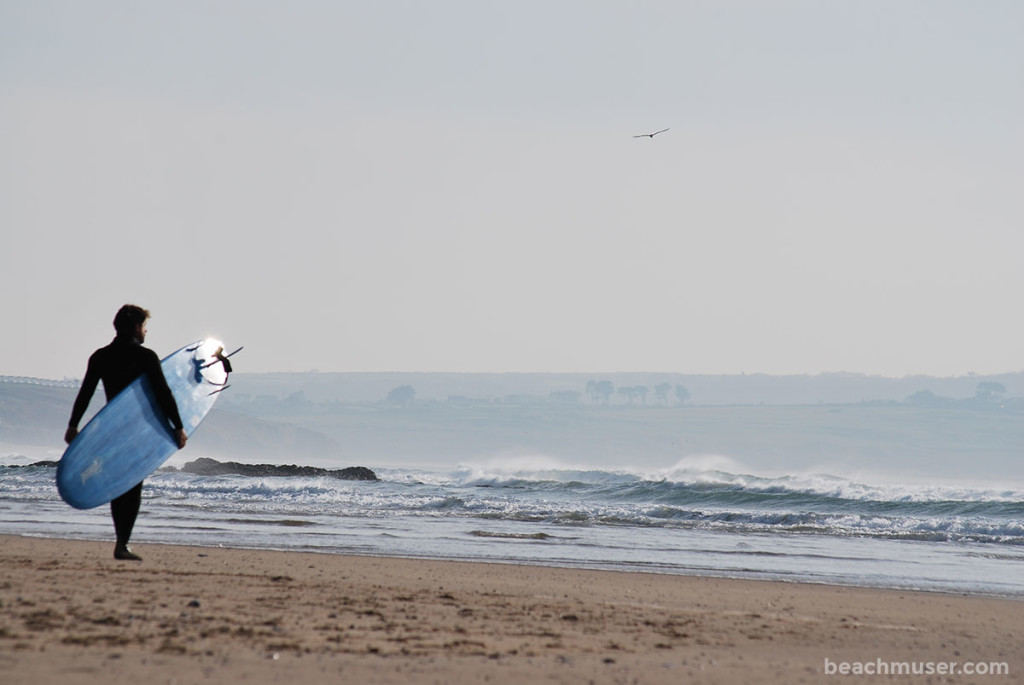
764, 576
70, 613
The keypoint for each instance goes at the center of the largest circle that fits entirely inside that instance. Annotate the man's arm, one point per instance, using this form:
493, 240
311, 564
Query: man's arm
165, 398
85, 393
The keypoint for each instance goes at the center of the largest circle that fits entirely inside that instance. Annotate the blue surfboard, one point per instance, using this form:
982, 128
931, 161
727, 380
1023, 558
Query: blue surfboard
130, 437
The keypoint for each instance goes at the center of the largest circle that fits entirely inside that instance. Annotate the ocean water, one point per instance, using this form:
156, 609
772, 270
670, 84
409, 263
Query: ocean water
695, 518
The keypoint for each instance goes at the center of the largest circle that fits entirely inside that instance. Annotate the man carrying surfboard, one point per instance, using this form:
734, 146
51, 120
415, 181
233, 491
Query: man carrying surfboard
117, 365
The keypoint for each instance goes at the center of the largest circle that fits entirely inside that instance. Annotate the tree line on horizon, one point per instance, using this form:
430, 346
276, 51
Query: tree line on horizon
597, 392
989, 396
600, 392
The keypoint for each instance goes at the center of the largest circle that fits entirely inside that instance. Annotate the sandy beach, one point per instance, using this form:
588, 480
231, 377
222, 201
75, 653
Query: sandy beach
71, 614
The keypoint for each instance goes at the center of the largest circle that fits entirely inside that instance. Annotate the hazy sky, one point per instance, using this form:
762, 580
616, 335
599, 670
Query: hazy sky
455, 186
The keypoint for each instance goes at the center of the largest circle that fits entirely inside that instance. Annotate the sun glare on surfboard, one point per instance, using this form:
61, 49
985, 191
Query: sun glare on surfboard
211, 355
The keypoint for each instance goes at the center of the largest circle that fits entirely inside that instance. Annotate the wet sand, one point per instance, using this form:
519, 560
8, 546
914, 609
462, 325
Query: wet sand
71, 614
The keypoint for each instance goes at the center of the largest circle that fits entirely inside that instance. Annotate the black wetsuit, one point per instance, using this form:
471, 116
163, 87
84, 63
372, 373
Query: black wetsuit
117, 365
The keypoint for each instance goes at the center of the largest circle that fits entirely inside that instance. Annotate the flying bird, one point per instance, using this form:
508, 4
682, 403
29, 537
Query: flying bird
650, 135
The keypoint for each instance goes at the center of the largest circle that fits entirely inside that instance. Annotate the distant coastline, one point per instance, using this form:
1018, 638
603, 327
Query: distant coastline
925, 427
703, 389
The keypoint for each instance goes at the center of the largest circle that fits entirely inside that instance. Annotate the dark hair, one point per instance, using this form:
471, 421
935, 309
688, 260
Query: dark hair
128, 317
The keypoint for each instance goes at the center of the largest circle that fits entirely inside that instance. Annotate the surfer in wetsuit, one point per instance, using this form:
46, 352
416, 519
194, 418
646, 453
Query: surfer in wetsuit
117, 365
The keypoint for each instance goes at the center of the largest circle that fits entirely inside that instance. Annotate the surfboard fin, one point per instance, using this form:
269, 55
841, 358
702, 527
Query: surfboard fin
219, 390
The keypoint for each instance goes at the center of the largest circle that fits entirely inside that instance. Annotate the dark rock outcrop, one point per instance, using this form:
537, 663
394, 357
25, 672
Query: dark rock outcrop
205, 466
